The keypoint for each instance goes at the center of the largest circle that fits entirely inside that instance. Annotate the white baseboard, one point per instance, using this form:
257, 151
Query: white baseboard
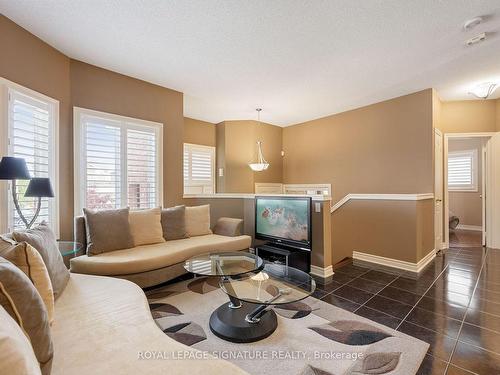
322, 272
476, 228
395, 263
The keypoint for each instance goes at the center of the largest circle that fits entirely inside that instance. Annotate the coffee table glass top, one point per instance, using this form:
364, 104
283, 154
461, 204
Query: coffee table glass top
275, 285
223, 264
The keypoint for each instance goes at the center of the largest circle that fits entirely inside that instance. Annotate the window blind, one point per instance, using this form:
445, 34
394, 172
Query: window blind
119, 162
199, 169
461, 170
31, 138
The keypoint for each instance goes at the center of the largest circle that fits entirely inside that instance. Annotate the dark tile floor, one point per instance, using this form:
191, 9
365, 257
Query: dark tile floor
454, 305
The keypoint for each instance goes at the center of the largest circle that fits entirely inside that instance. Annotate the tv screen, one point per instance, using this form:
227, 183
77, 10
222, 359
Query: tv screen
284, 219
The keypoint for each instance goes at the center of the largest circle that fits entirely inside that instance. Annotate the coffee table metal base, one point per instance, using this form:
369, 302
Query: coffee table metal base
230, 324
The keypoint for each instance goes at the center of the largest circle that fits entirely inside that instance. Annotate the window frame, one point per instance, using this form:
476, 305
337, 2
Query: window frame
6, 89
212, 150
79, 152
474, 171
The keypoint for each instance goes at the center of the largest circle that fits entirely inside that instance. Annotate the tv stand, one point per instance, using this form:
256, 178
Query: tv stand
286, 255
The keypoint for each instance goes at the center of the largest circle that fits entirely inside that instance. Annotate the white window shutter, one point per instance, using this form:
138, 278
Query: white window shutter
462, 170
199, 169
31, 138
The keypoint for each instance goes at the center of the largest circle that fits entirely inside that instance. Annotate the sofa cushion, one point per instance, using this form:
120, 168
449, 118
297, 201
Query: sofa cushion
145, 226
151, 257
198, 220
112, 327
44, 241
173, 222
28, 259
22, 302
16, 352
107, 230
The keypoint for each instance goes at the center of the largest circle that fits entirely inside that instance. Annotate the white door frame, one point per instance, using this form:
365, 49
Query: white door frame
485, 171
438, 195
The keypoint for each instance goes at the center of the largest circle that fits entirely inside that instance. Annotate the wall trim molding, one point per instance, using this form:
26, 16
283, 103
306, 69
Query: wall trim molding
476, 228
388, 197
320, 198
395, 263
322, 272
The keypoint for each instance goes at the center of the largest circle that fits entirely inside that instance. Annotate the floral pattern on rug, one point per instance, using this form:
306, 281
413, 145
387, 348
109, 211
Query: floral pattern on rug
186, 333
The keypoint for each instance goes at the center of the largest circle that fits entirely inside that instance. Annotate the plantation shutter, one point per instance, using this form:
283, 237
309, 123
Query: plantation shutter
141, 168
31, 138
461, 170
199, 168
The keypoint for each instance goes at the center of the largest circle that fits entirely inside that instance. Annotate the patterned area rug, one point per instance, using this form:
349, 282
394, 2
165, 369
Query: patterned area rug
313, 337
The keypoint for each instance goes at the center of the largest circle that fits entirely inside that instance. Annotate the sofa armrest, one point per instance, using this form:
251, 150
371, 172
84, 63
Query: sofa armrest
80, 232
227, 226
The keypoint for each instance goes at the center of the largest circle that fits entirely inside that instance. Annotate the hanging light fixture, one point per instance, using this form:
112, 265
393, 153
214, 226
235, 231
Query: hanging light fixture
484, 90
261, 164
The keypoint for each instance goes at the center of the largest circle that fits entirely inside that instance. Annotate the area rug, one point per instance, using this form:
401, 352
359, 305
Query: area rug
312, 338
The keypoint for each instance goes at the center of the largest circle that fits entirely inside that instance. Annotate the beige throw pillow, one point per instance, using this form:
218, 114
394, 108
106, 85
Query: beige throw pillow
198, 220
145, 226
16, 353
29, 260
44, 241
173, 222
107, 230
22, 302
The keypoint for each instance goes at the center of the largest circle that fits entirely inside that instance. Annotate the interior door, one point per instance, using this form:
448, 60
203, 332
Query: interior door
438, 189
493, 192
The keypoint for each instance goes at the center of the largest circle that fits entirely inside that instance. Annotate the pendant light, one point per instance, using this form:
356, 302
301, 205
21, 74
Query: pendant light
261, 164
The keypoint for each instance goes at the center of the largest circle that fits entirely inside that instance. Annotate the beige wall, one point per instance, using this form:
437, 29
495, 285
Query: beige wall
238, 146
30, 62
382, 148
469, 116
199, 132
467, 205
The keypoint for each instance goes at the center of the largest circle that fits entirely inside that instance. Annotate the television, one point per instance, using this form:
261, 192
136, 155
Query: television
284, 220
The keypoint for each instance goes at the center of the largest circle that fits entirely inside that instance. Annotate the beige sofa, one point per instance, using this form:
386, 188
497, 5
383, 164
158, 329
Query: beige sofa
103, 325
149, 265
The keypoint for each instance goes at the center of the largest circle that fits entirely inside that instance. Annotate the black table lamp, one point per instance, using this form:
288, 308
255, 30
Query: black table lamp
13, 169
38, 187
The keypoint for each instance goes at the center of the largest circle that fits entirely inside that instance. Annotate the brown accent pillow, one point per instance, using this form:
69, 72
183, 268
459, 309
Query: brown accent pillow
145, 226
198, 220
22, 302
173, 223
107, 230
29, 260
16, 353
44, 241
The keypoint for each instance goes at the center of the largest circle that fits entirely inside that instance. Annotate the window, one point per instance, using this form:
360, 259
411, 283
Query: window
199, 169
32, 124
118, 162
462, 170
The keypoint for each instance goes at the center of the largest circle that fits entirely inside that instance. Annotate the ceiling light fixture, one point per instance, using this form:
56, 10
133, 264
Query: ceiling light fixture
484, 90
261, 164
470, 24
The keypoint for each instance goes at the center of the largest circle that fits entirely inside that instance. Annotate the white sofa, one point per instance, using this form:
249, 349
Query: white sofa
103, 324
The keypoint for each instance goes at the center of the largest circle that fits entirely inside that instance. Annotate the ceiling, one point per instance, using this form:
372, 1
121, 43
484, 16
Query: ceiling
297, 59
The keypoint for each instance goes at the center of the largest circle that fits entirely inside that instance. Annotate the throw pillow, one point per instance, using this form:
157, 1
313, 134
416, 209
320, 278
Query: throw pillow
29, 260
22, 302
44, 241
198, 220
173, 222
16, 353
145, 226
107, 230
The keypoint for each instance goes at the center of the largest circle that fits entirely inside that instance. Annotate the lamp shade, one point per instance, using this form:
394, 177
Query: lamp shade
13, 169
39, 187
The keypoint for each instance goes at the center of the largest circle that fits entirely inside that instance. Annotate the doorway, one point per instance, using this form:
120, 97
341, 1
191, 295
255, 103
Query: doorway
465, 174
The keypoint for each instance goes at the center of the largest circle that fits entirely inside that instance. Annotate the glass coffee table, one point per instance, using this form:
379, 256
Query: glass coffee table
253, 288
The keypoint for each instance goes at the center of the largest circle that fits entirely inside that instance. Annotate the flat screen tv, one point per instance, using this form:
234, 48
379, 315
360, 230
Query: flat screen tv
285, 220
